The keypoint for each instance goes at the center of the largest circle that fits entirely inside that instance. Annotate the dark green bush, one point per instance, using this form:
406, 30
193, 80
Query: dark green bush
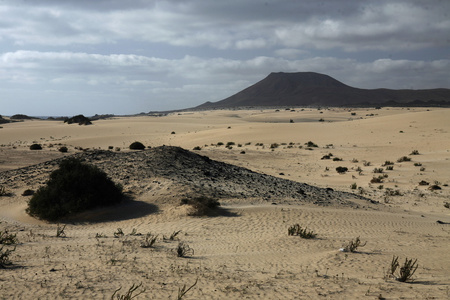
73, 188
36, 147
137, 146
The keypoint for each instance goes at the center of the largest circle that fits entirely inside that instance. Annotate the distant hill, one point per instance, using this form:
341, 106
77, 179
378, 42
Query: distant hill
79, 119
314, 89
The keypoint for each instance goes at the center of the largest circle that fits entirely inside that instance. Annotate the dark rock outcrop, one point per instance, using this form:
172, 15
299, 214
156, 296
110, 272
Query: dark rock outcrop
79, 119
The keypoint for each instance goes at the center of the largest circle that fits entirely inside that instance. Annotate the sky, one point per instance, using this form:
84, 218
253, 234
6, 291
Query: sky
68, 57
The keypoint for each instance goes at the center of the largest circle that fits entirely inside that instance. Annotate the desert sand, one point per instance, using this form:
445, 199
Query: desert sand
244, 251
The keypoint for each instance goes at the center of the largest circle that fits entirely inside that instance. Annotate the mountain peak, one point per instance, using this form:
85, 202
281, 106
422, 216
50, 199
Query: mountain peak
315, 89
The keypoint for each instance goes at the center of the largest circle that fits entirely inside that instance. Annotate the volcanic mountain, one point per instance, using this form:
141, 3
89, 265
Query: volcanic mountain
314, 89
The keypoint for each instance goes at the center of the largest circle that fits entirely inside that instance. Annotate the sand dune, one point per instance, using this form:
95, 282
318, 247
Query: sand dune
244, 251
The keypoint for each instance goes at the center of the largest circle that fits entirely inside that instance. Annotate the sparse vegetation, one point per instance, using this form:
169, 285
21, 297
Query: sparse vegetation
414, 152
73, 188
183, 250
8, 238
63, 149
405, 272
174, 235
118, 233
60, 231
341, 170
352, 245
137, 146
388, 163
3, 191
36, 147
354, 186
4, 257
378, 170
201, 205
403, 158
129, 294
389, 168
149, 240
296, 229
183, 291
311, 144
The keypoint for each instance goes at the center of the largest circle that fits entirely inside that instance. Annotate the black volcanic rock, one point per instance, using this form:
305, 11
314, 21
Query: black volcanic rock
80, 120
314, 89
21, 117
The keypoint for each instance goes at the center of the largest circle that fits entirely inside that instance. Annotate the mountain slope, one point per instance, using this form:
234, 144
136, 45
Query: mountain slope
309, 88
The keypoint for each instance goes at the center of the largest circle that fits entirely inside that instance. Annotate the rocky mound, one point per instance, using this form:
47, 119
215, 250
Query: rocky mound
79, 119
21, 117
193, 173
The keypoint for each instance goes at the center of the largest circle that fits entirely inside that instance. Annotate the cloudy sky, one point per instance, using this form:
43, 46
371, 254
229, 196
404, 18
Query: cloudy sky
66, 57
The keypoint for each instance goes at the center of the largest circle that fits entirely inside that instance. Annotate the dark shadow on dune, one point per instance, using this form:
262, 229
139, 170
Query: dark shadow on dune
126, 210
221, 212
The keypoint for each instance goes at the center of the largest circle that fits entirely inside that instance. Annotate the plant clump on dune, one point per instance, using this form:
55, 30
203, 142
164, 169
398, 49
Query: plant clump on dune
73, 188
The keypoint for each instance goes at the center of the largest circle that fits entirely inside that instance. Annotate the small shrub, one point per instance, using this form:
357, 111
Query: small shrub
60, 231
137, 146
389, 168
337, 159
354, 186
341, 170
378, 170
326, 157
173, 132
274, 145
423, 182
174, 235
4, 257
8, 238
388, 163
197, 148
414, 152
434, 187
183, 291
296, 229
149, 240
183, 250
378, 179
119, 233
447, 204
366, 163
353, 245
36, 147
403, 158
202, 205
129, 294
417, 164
311, 144
405, 272
219, 144
63, 149
3, 191
355, 161
73, 188
230, 144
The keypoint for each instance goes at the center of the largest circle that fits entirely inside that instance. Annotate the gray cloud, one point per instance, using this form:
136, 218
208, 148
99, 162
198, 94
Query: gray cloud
156, 55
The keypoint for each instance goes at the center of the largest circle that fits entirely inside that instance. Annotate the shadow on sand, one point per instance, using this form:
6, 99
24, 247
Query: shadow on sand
126, 210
